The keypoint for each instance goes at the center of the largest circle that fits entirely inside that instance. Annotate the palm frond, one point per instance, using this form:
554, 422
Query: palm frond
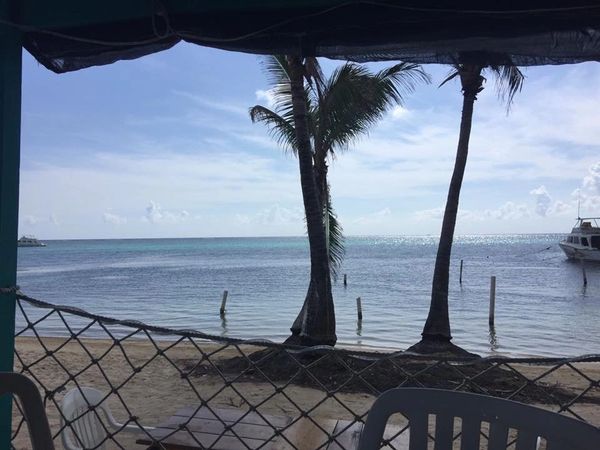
451, 75
281, 129
509, 81
399, 80
314, 73
276, 68
335, 238
341, 94
355, 100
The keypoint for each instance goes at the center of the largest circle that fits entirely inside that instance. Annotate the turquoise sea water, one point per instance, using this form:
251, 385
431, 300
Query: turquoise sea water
541, 305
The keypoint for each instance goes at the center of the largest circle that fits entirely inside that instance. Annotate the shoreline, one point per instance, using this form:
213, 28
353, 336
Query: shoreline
359, 348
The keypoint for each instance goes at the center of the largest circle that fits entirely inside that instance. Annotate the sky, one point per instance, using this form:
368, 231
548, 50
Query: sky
163, 146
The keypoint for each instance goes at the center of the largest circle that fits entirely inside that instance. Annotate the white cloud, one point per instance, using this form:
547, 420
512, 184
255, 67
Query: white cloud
155, 214
429, 214
508, 211
114, 219
374, 218
561, 208
53, 219
218, 105
543, 201
437, 214
32, 220
591, 182
273, 215
266, 96
400, 112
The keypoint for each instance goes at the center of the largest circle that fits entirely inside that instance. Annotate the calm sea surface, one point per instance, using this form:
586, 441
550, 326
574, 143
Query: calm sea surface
541, 305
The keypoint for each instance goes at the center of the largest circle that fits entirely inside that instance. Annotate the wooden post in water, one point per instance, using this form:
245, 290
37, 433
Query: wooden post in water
345, 281
583, 271
359, 308
460, 277
492, 299
223, 303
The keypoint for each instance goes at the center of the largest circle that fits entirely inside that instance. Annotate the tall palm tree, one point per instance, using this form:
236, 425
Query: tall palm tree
318, 321
337, 111
436, 333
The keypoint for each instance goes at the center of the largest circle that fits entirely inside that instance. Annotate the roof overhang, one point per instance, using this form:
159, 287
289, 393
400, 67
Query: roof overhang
67, 35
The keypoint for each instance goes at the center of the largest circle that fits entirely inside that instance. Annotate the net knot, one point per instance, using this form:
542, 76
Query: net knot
9, 290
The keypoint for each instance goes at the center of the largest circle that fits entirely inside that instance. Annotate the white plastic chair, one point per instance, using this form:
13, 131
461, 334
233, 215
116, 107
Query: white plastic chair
531, 423
86, 430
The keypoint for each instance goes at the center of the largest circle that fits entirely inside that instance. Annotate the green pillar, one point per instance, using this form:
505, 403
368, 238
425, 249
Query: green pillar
10, 134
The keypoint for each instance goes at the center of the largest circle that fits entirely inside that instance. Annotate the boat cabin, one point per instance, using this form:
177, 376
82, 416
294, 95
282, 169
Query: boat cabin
585, 234
584, 240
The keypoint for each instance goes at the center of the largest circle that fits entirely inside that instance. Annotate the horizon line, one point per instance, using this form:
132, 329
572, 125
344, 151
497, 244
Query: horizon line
299, 236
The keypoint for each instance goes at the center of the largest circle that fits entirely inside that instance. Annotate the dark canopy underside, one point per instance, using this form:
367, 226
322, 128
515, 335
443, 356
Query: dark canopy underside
66, 35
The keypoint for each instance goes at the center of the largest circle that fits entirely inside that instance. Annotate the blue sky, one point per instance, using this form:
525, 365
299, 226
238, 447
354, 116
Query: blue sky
163, 147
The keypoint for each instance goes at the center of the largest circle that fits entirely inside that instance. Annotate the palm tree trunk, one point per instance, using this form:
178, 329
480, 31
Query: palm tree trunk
318, 316
437, 326
321, 183
321, 180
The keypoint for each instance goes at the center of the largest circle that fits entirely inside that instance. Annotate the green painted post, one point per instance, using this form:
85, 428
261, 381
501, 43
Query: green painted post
10, 134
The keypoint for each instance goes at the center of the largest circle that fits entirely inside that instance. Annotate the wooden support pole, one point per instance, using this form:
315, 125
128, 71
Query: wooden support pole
460, 276
492, 299
345, 280
359, 308
10, 134
223, 303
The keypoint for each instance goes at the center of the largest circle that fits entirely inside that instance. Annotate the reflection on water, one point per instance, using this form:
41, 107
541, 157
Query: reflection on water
224, 330
493, 339
541, 306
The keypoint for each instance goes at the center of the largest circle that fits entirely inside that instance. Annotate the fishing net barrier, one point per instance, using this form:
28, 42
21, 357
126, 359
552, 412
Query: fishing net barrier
146, 373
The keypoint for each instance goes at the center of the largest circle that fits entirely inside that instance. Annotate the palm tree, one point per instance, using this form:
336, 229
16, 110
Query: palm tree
318, 322
436, 333
336, 112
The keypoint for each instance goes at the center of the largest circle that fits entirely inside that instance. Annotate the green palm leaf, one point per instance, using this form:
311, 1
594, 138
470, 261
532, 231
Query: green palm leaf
280, 129
335, 239
357, 99
509, 81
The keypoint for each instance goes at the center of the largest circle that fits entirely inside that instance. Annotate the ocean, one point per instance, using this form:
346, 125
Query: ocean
542, 307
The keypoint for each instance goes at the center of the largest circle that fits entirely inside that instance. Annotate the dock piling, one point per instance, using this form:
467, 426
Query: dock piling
492, 299
345, 280
460, 276
223, 303
359, 309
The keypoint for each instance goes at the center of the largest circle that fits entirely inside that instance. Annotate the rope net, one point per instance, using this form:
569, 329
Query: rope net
154, 387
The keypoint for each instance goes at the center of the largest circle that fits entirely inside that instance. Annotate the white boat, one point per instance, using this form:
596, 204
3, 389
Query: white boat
29, 241
584, 241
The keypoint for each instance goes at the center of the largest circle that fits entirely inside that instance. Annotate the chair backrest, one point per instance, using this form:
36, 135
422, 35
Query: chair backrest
81, 408
33, 408
530, 423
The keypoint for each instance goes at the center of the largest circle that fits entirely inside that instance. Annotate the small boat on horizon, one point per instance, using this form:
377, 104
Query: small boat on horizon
29, 241
583, 242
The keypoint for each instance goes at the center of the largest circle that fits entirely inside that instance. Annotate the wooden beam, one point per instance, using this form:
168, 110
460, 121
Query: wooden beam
10, 133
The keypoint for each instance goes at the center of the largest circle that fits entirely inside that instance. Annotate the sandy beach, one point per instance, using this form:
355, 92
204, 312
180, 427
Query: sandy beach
157, 390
